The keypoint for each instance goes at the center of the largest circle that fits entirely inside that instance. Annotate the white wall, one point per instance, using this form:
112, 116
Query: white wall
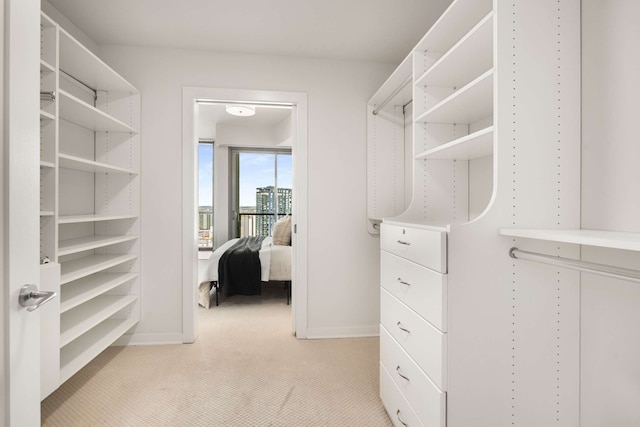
245, 136
343, 258
610, 309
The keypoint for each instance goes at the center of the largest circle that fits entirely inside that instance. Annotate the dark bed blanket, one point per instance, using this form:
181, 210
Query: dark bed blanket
239, 268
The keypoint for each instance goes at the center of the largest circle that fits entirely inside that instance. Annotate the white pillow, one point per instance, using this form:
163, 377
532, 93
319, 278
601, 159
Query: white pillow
282, 231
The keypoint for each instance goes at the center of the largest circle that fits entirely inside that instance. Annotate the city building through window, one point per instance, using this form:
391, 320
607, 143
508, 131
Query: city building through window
205, 195
262, 190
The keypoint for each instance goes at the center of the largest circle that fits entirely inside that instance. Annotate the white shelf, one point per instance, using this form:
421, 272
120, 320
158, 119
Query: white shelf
45, 67
473, 146
76, 219
46, 116
67, 161
77, 111
399, 76
72, 246
81, 319
83, 65
46, 213
86, 266
45, 21
469, 58
459, 18
79, 352
600, 238
471, 103
80, 291
44, 164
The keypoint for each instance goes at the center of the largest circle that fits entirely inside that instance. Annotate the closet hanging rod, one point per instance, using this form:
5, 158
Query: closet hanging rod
391, 95
589, 267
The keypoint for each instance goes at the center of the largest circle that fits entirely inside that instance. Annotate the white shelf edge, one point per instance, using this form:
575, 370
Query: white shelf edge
459, 94
67, 161
46, 66
76, 219
453, 51
465, 148
46, 116
86, 266
74, 293
83, 318
46, 213
599, 238
79, 352
95, 63
46, 21
72, 246
399, 75
471, 11
44, 164
69, 101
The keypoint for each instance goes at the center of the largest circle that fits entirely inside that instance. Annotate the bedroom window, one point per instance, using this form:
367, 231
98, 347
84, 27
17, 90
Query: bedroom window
262, 189
205, 195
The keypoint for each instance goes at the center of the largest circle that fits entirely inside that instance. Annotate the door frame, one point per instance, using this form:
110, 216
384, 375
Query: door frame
298, 101
19, 195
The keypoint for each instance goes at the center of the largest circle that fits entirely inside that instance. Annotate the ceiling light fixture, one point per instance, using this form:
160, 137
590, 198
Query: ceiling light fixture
241, 110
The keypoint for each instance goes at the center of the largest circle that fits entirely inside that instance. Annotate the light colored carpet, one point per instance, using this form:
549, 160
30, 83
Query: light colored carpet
245, 369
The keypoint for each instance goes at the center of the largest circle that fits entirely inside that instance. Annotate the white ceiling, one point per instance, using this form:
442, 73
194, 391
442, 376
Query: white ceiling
370, 30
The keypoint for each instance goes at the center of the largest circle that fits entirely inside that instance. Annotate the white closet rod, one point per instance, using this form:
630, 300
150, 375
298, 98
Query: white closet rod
391, 95
589, 267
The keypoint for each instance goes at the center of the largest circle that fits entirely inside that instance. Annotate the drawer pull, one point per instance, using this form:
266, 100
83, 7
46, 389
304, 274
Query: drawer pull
403, 282
403, 328
400, 419
402, 242
401, 374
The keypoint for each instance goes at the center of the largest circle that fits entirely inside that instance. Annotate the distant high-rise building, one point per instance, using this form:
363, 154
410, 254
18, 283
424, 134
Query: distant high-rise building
265, 203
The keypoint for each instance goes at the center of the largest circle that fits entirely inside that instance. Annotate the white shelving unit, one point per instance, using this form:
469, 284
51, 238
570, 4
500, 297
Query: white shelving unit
473, 146
496, 137
90, 189
83, 349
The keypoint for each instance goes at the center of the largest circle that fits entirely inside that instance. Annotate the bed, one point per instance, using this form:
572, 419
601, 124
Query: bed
266, 261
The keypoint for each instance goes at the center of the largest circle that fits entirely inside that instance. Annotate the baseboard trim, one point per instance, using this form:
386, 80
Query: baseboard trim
343, 332
149, 339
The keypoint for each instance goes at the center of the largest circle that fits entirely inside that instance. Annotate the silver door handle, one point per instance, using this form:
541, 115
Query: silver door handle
402, 242
399, 280
32, 298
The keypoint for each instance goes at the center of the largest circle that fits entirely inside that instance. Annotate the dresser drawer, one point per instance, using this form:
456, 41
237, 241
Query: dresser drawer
428, 402
399, 410
425, 247
421, 340
422, 289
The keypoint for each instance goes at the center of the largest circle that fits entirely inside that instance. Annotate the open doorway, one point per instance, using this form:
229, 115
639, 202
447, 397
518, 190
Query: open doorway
193, 101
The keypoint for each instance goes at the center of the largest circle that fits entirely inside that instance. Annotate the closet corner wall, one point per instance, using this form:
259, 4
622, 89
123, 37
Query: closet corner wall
470, 336
89, 204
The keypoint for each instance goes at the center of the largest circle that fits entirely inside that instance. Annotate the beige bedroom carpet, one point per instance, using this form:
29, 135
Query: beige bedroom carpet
245, 369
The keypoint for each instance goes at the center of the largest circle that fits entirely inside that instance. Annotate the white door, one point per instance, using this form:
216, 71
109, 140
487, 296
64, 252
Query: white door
20, 210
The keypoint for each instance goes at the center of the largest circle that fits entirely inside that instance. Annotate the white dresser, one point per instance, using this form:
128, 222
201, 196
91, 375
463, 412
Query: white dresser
413, 324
